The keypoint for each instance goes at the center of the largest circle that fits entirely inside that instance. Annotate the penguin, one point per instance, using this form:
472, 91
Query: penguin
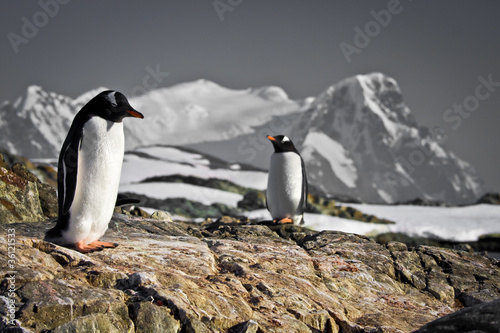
89, 169
286, 195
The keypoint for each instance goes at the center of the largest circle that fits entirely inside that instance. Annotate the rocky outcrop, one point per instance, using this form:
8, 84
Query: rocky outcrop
485, 243
19, 198
490, 198
481, 318
232, 276
23, 197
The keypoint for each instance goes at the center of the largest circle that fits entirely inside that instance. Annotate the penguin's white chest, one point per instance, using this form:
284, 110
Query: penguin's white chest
100, 161
284, 185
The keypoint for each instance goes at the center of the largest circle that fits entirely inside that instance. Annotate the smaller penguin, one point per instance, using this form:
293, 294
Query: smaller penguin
89, 170
286, 195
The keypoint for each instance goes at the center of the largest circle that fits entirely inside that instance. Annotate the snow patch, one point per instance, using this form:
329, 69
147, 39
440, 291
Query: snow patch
338, 158
450, 223
390, 126
166, 161
204, 195
453, 223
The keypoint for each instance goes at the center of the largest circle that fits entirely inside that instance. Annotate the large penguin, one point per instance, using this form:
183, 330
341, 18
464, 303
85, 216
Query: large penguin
286, 195
89, 169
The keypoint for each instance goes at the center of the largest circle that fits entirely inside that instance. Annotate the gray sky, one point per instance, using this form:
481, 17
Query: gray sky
436, 50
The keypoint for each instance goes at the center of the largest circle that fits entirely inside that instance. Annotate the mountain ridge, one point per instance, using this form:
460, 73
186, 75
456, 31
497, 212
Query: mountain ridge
367, 116
358, 138
376, 150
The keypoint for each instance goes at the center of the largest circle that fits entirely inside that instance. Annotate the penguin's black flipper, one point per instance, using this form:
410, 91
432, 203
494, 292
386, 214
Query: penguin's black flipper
303, 199
123, 200
267, 206
68, 169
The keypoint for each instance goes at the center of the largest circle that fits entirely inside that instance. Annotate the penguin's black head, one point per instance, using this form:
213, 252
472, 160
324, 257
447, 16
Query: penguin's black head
111, 105
282, 143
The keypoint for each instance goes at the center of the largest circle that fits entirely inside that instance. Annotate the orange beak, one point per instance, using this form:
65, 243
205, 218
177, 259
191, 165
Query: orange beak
135, 114
271, 138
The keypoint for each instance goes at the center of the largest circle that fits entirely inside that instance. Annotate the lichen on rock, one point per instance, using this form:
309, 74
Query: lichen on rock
232, 275
23, 197
19, 199
224, 275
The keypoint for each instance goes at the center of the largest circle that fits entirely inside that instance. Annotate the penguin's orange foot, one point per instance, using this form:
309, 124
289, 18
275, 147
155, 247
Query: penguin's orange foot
283, 221
104, 244
83, 248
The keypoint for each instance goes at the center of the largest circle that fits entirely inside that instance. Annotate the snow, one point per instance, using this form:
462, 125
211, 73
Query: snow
451, 223
32, 95
465, 223
166, 161
202, 110
204, 195
384, 195
390, 126
334, 153
438, 150
174, 154
325, 222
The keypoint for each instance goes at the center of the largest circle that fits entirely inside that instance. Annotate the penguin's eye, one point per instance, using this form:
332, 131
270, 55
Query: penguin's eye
285, 139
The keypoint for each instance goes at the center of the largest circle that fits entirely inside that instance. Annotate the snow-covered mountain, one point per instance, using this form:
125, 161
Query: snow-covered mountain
358, 138
36, 124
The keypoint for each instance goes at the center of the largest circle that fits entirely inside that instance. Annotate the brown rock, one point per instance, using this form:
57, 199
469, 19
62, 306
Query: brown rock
22, 171
473, 277
236, 278
481, 318
150, 317
22, 195
19, 199
161, 216
3, 163
409, 268
48, 200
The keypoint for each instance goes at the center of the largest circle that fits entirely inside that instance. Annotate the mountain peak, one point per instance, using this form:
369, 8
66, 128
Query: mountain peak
370, 98
390, 157
358, 138
34, 89
271, 93
199, 84
206, 82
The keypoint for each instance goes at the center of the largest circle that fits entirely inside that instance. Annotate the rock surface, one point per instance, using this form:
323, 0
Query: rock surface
23, 197
481, 318
490, 198
231, 276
